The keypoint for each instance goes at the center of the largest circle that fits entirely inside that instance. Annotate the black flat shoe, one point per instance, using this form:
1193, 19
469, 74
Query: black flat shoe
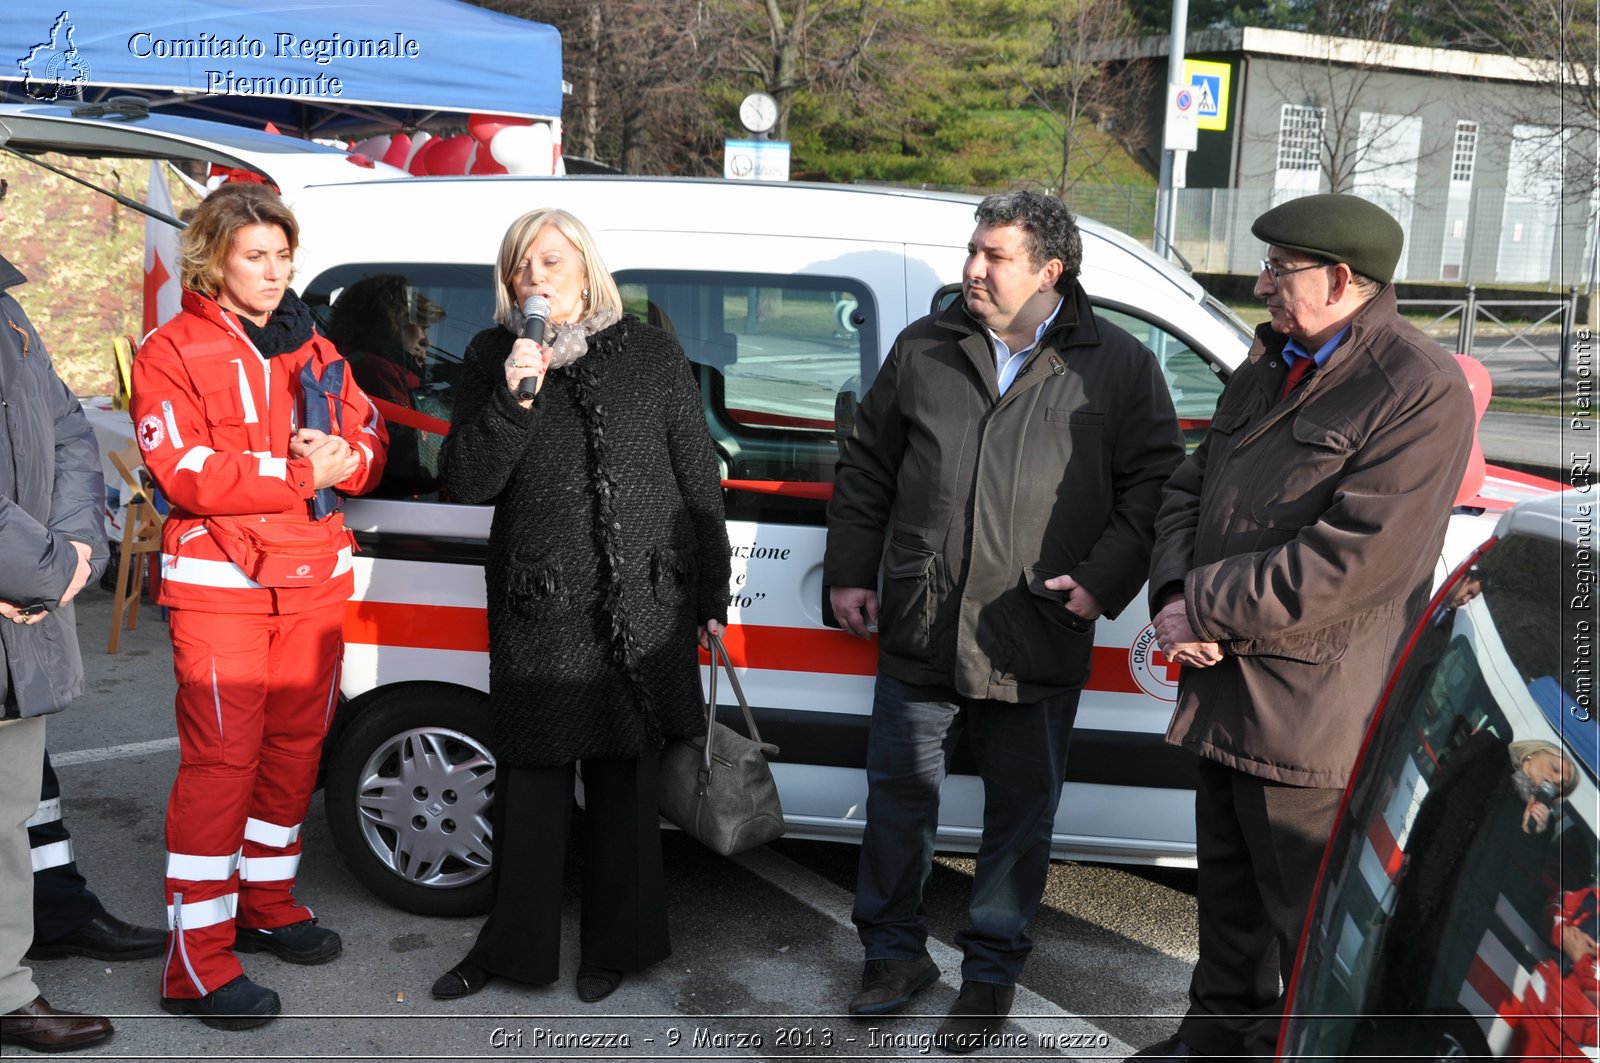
105, 937
462, 980
597, 983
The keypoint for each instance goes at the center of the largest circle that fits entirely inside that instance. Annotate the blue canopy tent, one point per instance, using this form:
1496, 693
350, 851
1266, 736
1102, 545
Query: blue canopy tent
337, 68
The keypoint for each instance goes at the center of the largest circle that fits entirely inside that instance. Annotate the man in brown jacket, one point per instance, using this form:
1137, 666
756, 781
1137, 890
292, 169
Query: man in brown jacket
1005, 470
1294, 552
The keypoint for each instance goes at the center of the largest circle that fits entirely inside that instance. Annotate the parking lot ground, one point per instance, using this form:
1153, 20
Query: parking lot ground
764, 955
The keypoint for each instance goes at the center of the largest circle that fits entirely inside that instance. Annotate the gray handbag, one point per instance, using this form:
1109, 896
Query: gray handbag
719, 789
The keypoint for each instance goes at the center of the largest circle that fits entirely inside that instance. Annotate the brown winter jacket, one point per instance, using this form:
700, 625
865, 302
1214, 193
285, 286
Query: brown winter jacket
1304, 534
971, 499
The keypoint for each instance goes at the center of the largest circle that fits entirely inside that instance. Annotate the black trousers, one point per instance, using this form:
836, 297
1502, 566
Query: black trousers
62, 900
1259, 846
624, 914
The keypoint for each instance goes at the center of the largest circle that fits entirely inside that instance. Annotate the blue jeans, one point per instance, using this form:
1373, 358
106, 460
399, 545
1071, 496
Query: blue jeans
1021, 752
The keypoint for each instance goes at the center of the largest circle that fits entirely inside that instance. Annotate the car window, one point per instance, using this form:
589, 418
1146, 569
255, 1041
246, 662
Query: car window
1461, 888
1194, 382
404, 328
780, 361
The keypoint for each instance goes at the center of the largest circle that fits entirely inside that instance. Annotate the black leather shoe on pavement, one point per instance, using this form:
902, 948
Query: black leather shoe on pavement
597, 983
888, 985
239, 1005
1172, 1048
462, 980
978, 1012
38, 1026
303, 942
105, 937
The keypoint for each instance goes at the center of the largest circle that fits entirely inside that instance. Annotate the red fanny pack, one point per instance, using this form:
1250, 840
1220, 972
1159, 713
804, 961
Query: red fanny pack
281, 549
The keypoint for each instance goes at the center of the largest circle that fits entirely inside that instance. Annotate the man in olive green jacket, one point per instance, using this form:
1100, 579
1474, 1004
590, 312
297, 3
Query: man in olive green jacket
1005, 469
1294, 553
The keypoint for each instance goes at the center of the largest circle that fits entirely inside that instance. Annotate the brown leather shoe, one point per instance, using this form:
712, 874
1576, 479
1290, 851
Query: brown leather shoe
979, 1010
38, 1026
888, 985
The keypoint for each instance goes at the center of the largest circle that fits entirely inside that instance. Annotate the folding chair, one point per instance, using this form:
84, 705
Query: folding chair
141, 534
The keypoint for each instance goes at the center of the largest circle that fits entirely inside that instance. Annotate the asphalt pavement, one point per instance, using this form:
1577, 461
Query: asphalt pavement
764, 954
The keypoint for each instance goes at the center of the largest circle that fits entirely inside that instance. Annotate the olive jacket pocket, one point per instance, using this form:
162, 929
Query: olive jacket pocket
905, 616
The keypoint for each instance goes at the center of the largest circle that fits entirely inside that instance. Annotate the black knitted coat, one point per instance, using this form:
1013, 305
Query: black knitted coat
608, 546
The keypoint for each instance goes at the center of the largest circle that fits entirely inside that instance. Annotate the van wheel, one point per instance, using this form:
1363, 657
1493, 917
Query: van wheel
408, 796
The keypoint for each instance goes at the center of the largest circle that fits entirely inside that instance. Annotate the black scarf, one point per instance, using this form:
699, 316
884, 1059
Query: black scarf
288, 329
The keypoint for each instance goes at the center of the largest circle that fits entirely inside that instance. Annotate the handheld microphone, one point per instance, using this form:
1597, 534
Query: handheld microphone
535, 312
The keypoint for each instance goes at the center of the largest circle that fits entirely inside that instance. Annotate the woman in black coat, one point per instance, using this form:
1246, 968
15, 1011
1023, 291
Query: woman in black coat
608, 557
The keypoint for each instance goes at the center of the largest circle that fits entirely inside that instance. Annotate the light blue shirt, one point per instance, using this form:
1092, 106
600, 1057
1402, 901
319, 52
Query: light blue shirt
1006, 363
1293, 352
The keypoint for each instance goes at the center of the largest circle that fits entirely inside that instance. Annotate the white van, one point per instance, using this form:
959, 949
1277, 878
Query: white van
785, 297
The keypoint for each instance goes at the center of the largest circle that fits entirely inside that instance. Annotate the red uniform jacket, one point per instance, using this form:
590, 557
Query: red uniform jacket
213, 419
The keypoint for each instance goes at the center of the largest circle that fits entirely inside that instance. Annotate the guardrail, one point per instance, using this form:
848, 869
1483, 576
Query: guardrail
1470, 310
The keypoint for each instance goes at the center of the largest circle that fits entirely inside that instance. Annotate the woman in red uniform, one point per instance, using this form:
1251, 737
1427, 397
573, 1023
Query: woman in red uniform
250, 423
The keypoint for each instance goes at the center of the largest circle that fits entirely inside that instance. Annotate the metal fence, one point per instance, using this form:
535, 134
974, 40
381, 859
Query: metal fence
1462, 235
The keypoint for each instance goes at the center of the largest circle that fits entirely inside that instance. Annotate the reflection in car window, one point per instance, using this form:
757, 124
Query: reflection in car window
1460, 917
781, 362
404, 328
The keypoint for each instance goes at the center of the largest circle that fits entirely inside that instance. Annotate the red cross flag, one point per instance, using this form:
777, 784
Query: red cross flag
162, 296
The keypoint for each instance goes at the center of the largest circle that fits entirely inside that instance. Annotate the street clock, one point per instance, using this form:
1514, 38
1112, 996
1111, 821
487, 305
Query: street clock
758, 112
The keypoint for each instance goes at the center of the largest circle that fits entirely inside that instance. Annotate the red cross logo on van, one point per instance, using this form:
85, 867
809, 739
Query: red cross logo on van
1155, 674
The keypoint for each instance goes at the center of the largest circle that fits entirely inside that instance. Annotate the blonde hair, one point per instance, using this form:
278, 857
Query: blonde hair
203, 247
603, 293
1521, 751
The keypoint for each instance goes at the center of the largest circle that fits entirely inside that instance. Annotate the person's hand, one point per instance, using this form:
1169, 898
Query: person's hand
303, 442
714, 627
1535, 816
1576, 944
856, 609
1178, 640
12, 611
1080, 603
333, 459
80, 577
526, 359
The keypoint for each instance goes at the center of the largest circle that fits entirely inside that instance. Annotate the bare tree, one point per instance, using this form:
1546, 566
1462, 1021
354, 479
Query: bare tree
1348, 127
789, 46
1556, 41
1079, 84
636, 69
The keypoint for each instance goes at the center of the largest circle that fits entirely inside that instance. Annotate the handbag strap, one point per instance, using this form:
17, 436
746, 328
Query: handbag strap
719, 650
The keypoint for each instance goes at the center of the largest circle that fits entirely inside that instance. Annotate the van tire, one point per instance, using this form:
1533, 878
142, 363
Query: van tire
408, 792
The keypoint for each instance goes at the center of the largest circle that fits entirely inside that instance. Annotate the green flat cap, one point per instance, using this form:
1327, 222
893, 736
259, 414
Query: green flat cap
1339, 228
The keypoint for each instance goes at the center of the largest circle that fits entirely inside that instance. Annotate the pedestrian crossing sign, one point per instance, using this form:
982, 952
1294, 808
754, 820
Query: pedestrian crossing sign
1210, 82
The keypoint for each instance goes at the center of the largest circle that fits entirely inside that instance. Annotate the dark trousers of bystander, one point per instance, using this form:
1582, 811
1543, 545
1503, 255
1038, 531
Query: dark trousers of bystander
1021, 752
1259, 846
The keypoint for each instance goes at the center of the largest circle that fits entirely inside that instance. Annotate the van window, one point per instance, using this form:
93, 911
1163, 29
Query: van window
404, 328
780, 360
1195, 384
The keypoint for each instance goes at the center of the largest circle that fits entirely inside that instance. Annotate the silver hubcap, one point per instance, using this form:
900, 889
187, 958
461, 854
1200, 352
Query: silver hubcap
423, 804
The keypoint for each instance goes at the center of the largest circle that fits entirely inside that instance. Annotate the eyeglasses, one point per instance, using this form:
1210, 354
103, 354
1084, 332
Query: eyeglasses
1278, 272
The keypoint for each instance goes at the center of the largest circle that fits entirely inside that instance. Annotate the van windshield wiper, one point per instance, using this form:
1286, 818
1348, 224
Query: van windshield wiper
133, 204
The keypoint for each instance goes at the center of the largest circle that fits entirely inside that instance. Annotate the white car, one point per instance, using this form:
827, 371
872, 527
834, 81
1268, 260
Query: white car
786, 297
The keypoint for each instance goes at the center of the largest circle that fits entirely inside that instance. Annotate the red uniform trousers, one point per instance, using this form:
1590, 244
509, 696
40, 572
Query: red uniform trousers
255, 696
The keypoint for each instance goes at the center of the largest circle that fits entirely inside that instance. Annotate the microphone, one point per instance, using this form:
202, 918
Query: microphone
535, 312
